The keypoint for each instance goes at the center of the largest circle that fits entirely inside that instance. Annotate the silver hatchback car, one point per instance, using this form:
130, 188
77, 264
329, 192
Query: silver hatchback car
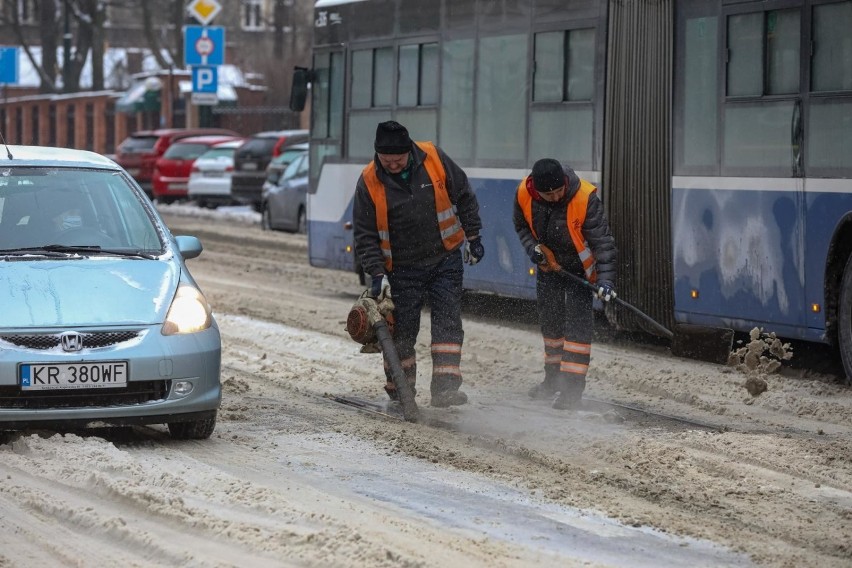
101, 321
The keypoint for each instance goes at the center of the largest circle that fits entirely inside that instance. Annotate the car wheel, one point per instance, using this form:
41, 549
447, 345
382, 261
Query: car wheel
844, 321
303, 221
266, 219
194, 429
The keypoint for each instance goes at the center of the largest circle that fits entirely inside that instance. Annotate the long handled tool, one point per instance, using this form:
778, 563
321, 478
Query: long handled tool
664, 330
690, 341
367, 324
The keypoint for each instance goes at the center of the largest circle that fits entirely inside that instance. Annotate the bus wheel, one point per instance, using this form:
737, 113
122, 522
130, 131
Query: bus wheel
844, 321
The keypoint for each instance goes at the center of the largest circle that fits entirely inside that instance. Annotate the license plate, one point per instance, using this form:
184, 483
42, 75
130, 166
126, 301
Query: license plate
177, 186
53, 376
214, 174
249, 166
133, 172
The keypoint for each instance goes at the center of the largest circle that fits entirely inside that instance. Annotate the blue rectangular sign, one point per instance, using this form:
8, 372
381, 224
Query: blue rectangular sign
205, 79
9, 65
204, 45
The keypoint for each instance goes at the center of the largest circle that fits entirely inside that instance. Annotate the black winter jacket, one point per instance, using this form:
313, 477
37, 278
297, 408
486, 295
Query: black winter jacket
551, 226
414, 235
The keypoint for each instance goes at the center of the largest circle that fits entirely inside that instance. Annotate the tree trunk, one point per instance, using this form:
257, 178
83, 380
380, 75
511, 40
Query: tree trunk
49, 32
151, 35
98, 16
278, 29
177, 19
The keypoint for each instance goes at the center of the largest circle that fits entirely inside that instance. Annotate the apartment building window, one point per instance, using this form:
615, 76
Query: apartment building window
252, 16
27, 11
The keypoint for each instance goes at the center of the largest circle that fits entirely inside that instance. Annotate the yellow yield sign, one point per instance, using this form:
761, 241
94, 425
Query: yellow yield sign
204, 10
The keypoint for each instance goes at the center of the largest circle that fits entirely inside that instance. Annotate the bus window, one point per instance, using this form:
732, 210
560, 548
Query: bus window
764, 60
829, 133
564, 67
501, 100
372, 86
327, 108
456, 116
700, 95
418, 75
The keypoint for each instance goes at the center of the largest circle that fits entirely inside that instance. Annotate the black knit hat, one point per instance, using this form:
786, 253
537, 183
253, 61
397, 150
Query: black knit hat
548, 175
392, 138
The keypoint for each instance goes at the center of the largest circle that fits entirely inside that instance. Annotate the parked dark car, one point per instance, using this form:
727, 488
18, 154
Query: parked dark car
284, 202
252, 158
138, 153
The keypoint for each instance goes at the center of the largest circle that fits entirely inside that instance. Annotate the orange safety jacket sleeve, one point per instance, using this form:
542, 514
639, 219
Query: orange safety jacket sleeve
462, 196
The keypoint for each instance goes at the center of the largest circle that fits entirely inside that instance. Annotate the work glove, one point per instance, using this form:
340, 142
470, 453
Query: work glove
606, 290
473, 251
380, 287
545, 259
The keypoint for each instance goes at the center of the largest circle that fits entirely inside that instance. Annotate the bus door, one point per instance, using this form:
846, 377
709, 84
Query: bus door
761, 259
738, 190
825, 132
329, 225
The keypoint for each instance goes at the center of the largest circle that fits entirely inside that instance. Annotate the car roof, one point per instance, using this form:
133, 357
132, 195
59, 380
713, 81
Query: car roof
51, 156
278, 133
297, 146
209, 139
168, 131
236, 143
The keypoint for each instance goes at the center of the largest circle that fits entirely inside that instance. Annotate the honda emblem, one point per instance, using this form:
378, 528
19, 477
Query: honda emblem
71, 341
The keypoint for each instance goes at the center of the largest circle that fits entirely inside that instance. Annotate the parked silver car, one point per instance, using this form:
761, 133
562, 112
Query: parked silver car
284, 204
210, 178
102, 322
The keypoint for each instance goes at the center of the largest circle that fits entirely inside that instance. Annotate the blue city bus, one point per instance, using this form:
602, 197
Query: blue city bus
719, 134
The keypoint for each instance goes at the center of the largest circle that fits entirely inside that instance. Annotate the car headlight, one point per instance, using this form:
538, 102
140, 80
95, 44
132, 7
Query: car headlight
188, 313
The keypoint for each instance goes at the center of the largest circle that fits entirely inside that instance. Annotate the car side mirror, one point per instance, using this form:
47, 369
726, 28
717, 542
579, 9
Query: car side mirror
189, 247
299, 89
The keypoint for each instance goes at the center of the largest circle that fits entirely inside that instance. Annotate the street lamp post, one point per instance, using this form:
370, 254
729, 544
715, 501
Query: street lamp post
66, 49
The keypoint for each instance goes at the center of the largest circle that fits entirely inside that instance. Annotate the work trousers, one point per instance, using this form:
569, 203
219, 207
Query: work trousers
567, 320
441, 285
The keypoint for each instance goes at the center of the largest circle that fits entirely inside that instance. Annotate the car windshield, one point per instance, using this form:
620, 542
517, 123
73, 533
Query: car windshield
79, 207
216, 153
258, 146
287, 156
293, 168
138, 143
185, 151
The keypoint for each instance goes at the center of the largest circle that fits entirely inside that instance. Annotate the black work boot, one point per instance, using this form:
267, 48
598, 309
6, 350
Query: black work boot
543, 391
570, 393
446, 398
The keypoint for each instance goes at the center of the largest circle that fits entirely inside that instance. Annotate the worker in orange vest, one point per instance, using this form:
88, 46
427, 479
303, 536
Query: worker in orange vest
561, 223
416, 220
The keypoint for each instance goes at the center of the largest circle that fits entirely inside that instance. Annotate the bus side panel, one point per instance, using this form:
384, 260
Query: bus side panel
505, 268
330, 242
826, 203
738, 244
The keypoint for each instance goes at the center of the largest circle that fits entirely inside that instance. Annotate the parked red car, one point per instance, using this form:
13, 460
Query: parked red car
172, 170
139, 152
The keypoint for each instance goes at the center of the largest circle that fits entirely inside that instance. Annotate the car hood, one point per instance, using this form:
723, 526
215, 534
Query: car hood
88, 291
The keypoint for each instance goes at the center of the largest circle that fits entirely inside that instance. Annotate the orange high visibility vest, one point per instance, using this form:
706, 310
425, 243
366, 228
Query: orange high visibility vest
575, 218
448, 223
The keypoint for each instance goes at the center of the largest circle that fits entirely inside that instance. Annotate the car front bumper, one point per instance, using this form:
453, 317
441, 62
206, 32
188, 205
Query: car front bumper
156, 365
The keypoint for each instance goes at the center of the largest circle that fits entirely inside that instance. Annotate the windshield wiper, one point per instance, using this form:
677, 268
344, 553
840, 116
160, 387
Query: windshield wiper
54, 250
137, 253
